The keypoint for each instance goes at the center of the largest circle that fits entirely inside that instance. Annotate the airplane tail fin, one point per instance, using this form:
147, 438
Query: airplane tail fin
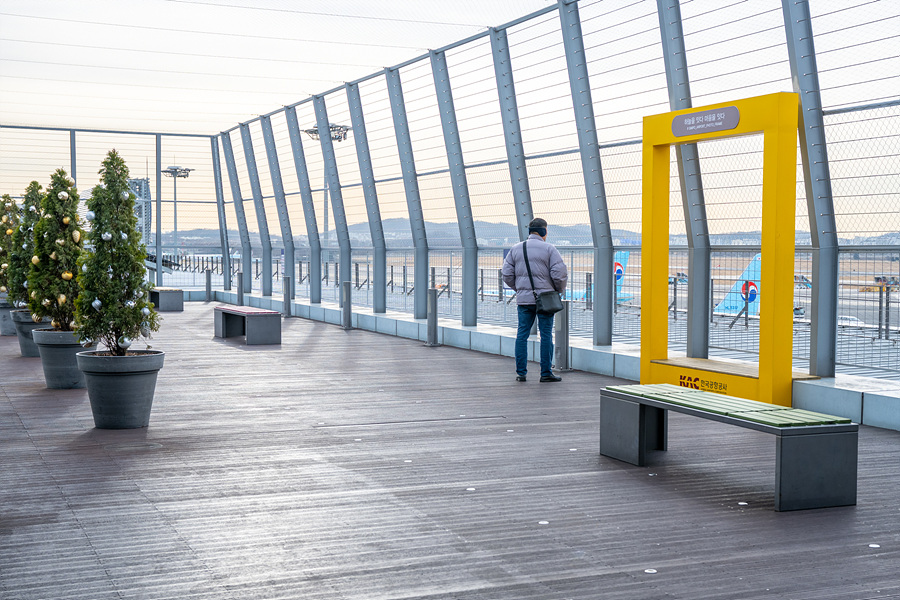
744, 292
620, 263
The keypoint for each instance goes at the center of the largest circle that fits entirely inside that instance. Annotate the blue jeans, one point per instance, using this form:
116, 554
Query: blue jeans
527, 313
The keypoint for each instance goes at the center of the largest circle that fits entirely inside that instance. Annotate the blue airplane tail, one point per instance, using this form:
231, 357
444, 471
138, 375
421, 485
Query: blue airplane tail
620, 263
744, 292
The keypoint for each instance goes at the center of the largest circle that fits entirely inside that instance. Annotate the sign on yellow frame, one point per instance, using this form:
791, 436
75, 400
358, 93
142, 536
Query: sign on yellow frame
775, 117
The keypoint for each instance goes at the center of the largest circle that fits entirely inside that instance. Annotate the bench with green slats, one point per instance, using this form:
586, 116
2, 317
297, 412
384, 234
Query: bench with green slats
738, 408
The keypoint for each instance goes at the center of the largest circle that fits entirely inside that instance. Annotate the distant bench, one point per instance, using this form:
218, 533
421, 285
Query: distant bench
815, 454
167, 299
261, 326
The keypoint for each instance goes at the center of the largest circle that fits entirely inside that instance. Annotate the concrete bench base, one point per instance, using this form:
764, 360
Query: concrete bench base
167, 299
260, 326
815, 466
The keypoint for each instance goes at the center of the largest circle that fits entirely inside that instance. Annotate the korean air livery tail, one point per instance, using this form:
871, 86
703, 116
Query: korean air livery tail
620, 263
744, 292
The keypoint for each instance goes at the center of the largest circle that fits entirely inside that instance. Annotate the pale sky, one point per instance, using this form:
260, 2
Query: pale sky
201, 66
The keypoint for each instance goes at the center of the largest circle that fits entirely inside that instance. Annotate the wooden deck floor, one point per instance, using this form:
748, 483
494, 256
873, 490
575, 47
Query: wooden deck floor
350, 465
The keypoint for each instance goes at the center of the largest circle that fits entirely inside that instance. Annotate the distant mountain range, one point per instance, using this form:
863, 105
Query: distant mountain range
398, 234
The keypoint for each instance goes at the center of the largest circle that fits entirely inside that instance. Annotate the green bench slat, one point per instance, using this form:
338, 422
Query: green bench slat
782, 418
703, 404
715, 402
740, 408
820, 417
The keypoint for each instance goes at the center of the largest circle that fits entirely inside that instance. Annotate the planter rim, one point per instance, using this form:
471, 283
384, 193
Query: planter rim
92, 361
51, 336
16, 313
131, 353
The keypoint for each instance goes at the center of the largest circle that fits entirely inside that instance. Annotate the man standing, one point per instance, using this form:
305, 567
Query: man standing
549, 273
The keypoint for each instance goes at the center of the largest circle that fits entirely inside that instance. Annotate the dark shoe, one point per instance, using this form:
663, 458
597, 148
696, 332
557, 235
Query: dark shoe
548, 378
520, 378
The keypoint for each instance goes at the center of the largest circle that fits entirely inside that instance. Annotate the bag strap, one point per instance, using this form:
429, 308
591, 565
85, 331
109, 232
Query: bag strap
528, 267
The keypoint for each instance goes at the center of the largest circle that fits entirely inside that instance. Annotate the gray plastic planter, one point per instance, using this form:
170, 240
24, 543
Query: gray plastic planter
58, 350
121, 387
7, 327
24, 326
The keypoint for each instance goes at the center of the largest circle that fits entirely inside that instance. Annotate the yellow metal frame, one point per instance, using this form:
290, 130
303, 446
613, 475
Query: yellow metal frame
775, 116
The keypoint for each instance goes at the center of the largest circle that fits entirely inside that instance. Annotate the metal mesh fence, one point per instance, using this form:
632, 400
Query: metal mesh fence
733, 50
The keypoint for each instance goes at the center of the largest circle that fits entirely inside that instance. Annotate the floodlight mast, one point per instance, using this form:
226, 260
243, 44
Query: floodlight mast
176, 172
338, 134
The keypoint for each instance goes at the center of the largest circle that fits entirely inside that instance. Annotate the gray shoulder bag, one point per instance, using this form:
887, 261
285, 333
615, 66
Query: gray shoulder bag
546, 303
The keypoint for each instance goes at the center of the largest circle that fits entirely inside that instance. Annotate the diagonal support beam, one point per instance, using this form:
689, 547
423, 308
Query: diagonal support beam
246, 249
411, 187
309, 210
460, 185
512, 130
688, 158
260, 209
220, 207
367, 176
598, 215
334, 189
280, 201
817, 179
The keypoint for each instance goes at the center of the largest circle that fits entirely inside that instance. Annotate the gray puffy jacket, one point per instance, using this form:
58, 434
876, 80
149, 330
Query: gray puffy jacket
547, 268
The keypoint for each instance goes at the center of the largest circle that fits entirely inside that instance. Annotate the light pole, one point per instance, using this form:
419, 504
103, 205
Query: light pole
175, 173
338, 134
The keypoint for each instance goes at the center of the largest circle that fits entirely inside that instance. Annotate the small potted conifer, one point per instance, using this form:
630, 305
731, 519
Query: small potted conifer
22, 248
8, 221
113, 308
22, 319
58, 241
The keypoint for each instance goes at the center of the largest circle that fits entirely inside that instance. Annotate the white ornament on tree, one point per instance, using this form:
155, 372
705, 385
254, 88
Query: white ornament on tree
106, 236
63, 195
89, 215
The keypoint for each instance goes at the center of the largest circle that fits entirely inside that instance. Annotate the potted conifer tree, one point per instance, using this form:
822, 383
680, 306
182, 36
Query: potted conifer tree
113, 308
22, 319
52, 285
8, 221
22, 248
